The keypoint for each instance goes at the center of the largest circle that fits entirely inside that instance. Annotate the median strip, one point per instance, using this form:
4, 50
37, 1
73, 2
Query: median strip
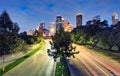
62, 68
20, 60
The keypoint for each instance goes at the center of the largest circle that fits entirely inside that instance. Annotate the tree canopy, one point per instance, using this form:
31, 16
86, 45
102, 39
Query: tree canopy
98, 34
8, 33
62, 44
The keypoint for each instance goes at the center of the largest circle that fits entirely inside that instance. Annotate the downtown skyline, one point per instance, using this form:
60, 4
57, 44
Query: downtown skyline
28, 14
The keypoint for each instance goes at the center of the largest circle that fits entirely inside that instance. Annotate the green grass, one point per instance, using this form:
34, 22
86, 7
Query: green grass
62, 68
59, 69
20, 60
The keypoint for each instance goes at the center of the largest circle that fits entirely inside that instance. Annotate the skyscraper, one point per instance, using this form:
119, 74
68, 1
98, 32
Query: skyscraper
115, 18
59, 22
96, 17
52, 29
79, 19
67, 26
40, 28
30, 32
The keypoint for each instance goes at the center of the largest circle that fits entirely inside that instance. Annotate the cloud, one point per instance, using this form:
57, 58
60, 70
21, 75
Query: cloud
29, 14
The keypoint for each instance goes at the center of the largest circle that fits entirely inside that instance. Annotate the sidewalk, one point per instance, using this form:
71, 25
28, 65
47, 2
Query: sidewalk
12, 57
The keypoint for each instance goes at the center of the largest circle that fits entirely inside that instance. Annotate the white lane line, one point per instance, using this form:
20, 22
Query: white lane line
85, 69
87, 72
107, 65
88, 67
98, 67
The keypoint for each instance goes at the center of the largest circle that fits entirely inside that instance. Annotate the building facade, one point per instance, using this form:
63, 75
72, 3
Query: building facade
96, 17
40, 28
52, 29
30, 32
45, 33
79, 19
59, 22
67, 26
115, 18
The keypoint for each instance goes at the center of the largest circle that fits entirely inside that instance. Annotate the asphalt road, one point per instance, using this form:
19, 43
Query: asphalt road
88, 63
40, 64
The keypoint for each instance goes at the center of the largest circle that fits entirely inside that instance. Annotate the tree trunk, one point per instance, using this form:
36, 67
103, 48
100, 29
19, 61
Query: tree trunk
110, 47
3, 62
119, 48
95, 44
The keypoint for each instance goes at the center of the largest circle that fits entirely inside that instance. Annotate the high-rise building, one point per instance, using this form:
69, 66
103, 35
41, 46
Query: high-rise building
45, 33
67, 26
96, 17
115, 18
79, 19
30, 32
59, 22
52, 29
40, 27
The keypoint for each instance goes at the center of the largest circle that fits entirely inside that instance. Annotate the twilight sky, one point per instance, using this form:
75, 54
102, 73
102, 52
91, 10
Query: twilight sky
29, 13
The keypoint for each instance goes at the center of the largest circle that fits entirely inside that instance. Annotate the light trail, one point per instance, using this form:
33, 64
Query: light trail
95, 64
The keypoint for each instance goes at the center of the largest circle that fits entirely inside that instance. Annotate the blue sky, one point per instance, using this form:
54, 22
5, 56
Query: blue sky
29, 13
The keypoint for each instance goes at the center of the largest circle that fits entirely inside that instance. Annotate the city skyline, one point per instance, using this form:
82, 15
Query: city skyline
29, 14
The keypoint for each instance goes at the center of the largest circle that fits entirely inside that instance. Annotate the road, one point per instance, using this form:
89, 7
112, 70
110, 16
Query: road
88, 63
40, 64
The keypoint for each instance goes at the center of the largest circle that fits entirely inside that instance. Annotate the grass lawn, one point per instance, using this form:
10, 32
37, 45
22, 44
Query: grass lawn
12, 65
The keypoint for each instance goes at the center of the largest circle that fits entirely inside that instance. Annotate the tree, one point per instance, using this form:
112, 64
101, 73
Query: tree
39, 38
109, 38
8, 34
116, 29
62, 44
79, 35
94, 29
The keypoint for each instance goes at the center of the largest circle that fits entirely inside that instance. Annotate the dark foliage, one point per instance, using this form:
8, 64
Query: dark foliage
8, 33
62, 44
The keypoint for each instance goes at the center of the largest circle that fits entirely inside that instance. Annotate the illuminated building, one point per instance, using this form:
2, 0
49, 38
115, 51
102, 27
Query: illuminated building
45, 33
67, 26
79, 19
115, 18
59, 22
40, 27
96, 17
30, 32
52, 29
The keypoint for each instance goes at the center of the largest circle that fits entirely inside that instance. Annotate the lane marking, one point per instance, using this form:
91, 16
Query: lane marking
88, 67
98, 67
105, 64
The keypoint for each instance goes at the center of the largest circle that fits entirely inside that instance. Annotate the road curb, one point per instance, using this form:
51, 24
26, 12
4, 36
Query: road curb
68, 66
54, 69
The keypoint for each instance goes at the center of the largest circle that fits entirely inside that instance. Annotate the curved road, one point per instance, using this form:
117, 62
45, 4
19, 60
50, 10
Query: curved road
88, 63
40, 64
